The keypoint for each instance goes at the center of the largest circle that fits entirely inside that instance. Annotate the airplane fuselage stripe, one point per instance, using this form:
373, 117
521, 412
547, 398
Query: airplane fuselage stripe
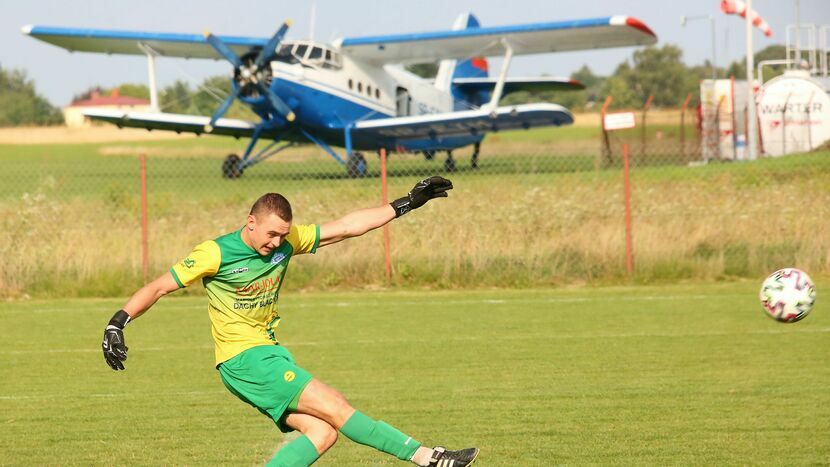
339, 93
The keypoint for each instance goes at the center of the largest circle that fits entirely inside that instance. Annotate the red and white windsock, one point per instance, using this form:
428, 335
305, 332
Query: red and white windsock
737, 7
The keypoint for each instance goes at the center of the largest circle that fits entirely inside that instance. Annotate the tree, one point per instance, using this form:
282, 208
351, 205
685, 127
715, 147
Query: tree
140, 91
20, 104
772, 52
656, 71
175, 98
424, 70
204, 100
572, 99
587, 77
619, 88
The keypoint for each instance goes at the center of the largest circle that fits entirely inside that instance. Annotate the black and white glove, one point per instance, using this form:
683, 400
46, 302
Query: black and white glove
115, 349
425, 190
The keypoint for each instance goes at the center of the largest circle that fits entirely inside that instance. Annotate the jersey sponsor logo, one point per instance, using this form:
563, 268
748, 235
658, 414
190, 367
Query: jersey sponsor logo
263, 300
289, 376
189, 263
261, 286
238, 270
278, 256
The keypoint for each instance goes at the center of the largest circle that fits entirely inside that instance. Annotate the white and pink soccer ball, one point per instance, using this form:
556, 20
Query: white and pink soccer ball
788, 295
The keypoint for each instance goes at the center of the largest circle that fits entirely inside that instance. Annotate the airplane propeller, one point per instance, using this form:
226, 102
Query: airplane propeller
248, 74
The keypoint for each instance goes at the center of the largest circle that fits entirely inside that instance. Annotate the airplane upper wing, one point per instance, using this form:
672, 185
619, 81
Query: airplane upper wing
614, 31
127, 42
399, 130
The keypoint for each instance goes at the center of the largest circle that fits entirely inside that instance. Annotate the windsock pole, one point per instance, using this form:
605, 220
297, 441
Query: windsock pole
752, 145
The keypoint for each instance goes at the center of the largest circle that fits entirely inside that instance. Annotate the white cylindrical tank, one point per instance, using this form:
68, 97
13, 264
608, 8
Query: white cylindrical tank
794, 114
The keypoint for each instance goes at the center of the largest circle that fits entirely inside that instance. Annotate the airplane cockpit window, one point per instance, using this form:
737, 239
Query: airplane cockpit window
285, 48
315, 54
309, 54
299, 51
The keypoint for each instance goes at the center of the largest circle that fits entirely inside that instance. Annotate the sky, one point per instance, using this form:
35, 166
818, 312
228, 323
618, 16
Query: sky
58, 75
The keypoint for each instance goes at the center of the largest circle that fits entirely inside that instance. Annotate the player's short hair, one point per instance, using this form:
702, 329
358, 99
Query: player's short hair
273, 203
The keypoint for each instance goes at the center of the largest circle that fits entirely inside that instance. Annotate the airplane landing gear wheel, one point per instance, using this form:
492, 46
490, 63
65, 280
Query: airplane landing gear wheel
356, 165
231, 167
449, 164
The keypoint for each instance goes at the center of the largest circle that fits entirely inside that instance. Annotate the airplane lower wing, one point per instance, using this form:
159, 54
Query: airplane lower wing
173, 122
391, 132
467, 85
560, 36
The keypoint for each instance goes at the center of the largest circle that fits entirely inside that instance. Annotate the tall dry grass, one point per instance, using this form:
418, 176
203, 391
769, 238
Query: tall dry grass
491, 231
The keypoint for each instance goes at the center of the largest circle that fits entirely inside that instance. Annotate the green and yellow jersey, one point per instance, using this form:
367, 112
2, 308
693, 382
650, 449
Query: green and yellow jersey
242, 286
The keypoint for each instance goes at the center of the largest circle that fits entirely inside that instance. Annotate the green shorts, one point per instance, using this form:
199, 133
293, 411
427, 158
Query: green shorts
267, 378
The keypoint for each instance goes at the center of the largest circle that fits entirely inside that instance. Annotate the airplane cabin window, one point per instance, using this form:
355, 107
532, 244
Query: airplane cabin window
351, 84
369, 90
377, 93
359, 86
300, 50
316, 53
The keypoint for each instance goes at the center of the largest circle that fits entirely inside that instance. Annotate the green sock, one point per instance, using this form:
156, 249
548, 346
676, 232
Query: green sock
298, 453
379, 435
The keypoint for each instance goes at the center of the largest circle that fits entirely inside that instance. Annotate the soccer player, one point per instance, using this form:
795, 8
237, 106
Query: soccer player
242, 273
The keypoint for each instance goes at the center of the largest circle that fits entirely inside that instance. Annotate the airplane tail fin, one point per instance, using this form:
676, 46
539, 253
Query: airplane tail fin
474, 67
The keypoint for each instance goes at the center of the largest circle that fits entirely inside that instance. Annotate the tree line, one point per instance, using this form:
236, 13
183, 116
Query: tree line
20, 104
653, 71
657, 71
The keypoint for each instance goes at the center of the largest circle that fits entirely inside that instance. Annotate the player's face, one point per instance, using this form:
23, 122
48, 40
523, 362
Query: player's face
267, 232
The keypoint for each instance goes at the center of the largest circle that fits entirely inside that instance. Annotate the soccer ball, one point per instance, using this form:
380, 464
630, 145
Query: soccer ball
788, 295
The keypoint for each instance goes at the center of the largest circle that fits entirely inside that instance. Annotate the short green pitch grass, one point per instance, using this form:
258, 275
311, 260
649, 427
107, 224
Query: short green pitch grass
688, 374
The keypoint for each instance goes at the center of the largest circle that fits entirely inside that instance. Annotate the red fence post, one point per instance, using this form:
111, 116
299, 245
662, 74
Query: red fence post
629, 253
387, 255
145, 251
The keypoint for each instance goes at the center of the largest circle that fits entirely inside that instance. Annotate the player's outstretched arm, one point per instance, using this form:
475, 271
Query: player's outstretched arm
114, 346
359, 222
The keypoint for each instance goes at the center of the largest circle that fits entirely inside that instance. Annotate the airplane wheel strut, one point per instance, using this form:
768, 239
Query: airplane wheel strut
231, 167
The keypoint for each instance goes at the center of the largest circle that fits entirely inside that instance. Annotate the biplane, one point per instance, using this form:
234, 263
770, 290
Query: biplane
355, 92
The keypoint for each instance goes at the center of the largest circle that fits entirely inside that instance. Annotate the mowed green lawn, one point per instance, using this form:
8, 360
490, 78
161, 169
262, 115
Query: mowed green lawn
680, 374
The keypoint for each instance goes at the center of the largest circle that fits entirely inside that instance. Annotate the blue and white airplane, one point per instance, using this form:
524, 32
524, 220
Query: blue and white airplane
354, 93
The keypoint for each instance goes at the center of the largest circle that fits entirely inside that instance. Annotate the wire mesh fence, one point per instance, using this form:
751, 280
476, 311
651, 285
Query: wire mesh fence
540, 207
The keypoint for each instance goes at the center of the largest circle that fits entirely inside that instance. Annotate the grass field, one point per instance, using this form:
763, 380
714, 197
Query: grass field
671, 375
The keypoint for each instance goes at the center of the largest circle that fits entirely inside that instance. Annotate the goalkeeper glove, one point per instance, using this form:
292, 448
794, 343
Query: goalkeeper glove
115, 349
425, 190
